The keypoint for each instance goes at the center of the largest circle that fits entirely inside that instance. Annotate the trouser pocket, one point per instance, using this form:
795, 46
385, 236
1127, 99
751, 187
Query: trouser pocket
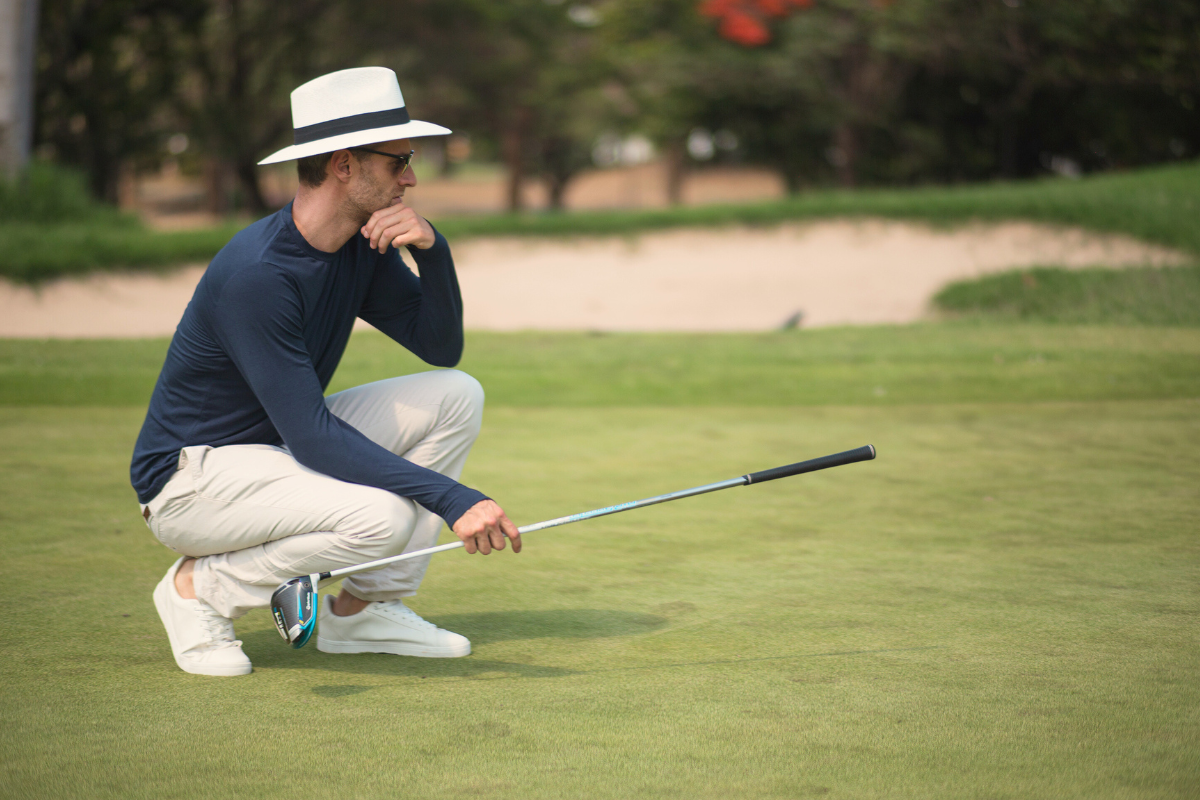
168, 509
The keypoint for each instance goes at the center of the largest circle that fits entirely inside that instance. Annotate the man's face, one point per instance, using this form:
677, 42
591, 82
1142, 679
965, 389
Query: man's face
380, 181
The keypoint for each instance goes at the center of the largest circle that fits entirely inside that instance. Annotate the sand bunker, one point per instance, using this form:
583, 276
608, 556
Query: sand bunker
737, 279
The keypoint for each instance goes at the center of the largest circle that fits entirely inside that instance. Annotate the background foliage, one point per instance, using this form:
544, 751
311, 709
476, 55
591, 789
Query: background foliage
846, 91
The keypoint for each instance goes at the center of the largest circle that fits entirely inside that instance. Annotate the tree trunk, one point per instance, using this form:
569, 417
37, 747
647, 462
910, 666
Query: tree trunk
216, 186
105, 181
514, 159
792, 180
676, 159
558, 191
127, 199
845, 144
247, 176
1008, 146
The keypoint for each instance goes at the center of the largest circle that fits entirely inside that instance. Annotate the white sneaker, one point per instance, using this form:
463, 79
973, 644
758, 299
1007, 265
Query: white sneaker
201, 639
386, 627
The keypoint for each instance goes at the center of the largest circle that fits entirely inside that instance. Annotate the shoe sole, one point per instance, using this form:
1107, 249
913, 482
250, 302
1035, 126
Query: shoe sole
162, 602
394, 648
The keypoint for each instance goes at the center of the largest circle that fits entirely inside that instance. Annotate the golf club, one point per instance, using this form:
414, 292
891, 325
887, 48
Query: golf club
294, 607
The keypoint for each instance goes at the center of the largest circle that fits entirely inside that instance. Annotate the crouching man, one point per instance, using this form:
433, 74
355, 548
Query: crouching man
246, 470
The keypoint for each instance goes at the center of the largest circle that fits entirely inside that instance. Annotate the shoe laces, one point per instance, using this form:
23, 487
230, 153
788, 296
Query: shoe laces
218, 628
398, 609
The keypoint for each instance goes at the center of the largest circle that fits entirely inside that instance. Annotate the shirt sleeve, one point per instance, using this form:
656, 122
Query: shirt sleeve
258, 319
424, 314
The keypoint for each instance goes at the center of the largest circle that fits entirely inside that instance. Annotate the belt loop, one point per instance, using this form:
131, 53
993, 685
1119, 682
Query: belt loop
194, 458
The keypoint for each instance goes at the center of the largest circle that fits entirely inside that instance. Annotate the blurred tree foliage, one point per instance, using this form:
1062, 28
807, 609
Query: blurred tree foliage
523, 78
242, 62
822, 91
865, 91
106, 71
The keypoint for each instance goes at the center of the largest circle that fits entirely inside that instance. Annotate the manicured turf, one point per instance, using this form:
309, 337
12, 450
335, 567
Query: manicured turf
1004, 604
936, 363
1159, 205
1145, 296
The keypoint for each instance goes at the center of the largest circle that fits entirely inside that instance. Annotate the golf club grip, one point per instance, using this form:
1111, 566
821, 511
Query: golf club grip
864, 453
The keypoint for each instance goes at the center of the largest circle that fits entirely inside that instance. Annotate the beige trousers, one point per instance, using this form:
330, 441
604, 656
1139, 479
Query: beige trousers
253, 517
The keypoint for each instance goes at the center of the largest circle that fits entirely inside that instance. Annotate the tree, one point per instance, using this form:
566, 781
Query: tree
1101, 81
522, 76
106, 72
835, 71
242, 61
668, 62
746, 22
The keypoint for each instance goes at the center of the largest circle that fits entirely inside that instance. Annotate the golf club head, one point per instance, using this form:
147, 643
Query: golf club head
294, 609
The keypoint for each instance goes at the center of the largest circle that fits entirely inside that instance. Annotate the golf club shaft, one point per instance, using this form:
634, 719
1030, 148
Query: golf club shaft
865, 453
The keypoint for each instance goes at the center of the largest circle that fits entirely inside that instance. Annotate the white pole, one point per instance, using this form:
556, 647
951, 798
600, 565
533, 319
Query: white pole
18, 43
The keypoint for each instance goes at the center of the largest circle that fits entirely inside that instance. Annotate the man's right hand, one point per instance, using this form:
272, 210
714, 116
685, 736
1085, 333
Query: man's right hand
484, 527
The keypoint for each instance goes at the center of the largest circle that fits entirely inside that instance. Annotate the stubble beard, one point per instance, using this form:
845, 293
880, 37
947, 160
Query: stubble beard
366, 197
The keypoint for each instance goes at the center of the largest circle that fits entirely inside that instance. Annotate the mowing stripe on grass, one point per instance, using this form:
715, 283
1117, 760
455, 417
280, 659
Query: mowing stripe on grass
934, 363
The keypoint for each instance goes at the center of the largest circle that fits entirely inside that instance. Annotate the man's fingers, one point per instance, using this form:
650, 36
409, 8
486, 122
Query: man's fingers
408, 237
385, 224
484, 528
511, 531
497, 538
384, 235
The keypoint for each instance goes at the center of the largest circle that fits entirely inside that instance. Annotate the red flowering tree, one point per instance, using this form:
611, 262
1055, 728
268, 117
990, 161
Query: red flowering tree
745, 21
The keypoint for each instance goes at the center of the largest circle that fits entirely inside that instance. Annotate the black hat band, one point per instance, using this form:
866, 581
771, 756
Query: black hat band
352, 124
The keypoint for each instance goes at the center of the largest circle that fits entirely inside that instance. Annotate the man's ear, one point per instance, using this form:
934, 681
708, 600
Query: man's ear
339, 165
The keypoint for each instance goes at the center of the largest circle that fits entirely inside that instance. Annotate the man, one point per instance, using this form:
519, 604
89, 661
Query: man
247, 471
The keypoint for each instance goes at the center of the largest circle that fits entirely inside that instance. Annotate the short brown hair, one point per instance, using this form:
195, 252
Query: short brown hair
311, 169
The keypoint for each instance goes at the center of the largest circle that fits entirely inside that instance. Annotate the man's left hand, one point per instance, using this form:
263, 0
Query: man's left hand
398, 225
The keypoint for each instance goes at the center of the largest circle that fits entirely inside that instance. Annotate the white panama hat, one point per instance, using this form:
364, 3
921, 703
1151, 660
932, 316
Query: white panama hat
349, 108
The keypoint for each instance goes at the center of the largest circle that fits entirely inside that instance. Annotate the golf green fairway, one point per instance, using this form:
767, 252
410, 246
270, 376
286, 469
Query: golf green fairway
1005, 604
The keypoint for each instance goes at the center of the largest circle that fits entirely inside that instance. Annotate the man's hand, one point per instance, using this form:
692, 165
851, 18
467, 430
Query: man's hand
398, 225
484, 527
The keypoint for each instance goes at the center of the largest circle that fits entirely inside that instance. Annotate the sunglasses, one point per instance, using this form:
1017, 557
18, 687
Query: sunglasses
403, 159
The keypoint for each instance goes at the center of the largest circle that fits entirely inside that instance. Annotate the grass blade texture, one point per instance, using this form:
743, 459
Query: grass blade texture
1004, 604
1166, 296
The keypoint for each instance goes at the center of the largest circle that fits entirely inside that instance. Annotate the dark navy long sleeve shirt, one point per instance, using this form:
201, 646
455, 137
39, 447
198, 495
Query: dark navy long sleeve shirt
259, 343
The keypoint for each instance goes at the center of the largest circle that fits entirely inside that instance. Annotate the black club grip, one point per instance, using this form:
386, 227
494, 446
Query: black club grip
865, 453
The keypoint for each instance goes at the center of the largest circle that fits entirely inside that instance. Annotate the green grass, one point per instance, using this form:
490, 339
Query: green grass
50, 226
1004, 604
48, 193
1158, 205
1167, 296
33, 252
933, 363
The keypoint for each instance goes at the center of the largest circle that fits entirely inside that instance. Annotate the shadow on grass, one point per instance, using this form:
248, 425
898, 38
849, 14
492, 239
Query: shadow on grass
269, 652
